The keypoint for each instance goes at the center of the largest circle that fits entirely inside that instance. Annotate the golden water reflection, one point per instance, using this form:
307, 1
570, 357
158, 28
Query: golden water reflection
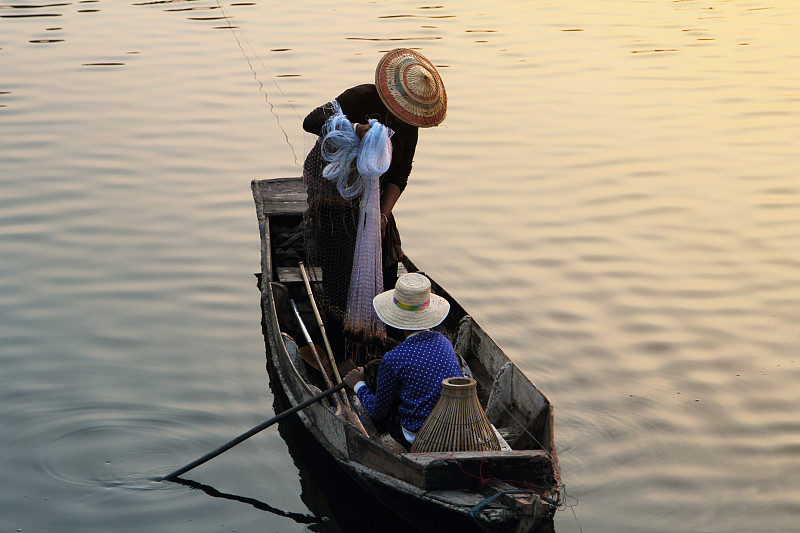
613, 195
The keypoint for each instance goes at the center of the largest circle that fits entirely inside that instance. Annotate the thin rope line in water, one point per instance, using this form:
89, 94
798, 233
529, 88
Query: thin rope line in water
261, 87
572, 508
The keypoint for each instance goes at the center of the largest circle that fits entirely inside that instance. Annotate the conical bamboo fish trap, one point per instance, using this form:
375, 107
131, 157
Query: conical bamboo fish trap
457, 422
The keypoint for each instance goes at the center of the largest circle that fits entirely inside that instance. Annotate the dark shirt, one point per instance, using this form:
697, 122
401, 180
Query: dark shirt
361, 103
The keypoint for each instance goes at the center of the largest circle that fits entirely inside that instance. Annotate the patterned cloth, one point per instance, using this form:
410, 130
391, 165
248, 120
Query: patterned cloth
412, 374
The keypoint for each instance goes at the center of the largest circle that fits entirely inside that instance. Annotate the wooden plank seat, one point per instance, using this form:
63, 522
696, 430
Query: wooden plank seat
293, 274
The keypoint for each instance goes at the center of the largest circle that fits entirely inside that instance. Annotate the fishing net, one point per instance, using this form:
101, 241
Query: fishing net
343, 230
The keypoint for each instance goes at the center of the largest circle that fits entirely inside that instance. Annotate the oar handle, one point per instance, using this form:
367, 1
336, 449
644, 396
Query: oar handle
244, 436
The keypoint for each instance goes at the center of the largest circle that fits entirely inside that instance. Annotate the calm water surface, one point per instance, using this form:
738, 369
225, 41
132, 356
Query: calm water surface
614, 195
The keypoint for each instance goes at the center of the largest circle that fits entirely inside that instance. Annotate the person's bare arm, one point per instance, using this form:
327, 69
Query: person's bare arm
391, 193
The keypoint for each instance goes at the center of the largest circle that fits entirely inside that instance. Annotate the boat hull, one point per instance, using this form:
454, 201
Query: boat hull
429, 491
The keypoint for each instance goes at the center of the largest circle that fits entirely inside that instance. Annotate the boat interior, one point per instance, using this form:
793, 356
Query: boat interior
518, 411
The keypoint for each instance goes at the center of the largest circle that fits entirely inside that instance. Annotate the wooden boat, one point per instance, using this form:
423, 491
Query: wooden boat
517, 489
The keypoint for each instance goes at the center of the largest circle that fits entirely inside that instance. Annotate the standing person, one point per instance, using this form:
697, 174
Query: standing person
410, 375
408, 94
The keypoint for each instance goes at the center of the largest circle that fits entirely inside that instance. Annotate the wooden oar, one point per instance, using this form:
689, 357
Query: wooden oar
244, 436
311, 352
314, 356
319, 322
343, 409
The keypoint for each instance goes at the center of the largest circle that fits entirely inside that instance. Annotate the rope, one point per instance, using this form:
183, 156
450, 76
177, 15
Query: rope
255, 77
475, 509
478, 507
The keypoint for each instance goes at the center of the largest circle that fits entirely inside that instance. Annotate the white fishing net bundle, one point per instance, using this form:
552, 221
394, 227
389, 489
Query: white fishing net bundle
371, 156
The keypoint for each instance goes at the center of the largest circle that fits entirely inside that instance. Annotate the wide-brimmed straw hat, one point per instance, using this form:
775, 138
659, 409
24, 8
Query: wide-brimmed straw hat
410, 305
410, 86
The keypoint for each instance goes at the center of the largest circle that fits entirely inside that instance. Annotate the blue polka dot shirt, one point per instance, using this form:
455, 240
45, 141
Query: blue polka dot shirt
412, 372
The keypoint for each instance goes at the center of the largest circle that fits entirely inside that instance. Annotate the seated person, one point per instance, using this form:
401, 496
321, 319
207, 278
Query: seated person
410, 375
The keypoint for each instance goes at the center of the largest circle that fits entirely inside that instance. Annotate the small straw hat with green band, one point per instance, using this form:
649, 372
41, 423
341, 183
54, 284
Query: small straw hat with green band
411, 305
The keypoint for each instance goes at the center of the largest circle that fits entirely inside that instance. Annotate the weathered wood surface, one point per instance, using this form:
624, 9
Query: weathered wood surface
293, 275
447, 470
281, 196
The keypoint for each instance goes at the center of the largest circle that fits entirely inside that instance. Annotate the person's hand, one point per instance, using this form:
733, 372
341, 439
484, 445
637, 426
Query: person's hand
384, 223
354, 376
362, 129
